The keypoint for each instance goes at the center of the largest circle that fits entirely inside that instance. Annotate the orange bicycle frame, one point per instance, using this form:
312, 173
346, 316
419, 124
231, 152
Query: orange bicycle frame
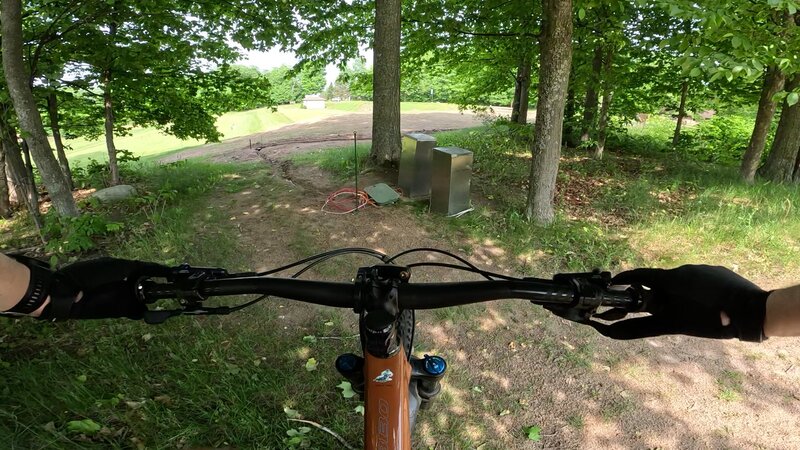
387, 423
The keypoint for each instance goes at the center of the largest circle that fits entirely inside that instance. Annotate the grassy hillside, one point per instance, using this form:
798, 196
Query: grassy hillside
150, 142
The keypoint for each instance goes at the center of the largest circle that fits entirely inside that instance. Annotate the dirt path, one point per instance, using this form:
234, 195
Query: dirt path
333, 131
514, 365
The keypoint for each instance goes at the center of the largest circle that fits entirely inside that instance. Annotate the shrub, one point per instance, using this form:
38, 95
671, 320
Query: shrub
76, 234
96, 174
721, 139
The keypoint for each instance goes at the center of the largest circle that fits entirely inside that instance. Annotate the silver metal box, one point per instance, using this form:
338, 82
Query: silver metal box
415, 165
451, 174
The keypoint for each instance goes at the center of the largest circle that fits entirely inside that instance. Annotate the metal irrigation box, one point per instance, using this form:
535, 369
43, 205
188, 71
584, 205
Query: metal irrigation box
451, 175
415, 165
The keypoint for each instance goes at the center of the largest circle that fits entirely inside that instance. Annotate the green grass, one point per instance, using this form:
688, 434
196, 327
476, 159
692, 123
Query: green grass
410, 107
340, 161
150, 143
350, 106
641, 205
576, 421
214, 381
730, 386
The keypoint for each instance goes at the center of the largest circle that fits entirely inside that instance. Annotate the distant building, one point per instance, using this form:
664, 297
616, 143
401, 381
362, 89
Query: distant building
313, 102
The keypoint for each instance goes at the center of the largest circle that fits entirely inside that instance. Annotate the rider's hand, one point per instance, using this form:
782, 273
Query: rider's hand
104, 287
695, 300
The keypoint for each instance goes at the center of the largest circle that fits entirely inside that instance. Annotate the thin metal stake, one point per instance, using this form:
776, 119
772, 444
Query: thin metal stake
355, 160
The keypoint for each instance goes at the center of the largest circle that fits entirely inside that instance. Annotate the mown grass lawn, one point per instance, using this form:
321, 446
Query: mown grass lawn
150, 143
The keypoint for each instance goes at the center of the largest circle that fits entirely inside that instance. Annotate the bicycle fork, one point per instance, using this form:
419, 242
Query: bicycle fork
417, 379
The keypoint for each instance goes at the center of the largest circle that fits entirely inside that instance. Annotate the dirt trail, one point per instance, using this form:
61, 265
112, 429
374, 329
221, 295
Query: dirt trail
513, 366
333, 131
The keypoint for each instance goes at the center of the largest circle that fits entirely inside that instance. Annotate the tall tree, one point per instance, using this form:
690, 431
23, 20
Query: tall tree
773, 84
607, 90
17, 80
488, 44
522, 86
55, 131
742, 40
386, 83
782, 158
5, 198
591, 100
18, 172
554, 67
676, 136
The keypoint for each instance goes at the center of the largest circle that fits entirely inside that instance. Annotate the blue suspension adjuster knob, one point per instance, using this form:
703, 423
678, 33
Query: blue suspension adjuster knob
435, 365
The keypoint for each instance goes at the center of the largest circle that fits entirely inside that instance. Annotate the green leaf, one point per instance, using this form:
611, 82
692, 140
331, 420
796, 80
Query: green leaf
792, 8
504, 412
792, 98
581, 14
310, 339
359, 409
311, 364
477, 389
695, 72
291, 413
347, 389
81, 378
534, 433
736, 41
85, 426
757, 64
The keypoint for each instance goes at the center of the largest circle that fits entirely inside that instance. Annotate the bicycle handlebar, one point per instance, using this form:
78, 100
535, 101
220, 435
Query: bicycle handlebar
566, 291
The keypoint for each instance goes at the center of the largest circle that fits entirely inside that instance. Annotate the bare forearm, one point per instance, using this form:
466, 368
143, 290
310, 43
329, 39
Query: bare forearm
14, 279
783, 313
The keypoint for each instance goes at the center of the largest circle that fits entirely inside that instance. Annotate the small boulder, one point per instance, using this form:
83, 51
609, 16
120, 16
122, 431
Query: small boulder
115, 193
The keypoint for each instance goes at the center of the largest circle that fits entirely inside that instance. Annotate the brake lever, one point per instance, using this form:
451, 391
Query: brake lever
188, 280
589, 290
588, 287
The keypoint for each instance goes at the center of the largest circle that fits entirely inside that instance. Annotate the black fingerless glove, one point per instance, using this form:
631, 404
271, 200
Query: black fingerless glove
688, 300
95, 289
108, 287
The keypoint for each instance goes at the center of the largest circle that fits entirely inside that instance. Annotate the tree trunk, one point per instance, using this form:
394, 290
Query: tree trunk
517, 92
108, 108
5, 199
590, 103
608, 95
797, 168
29, 175
782, 158
386, 84
602, 127
554, 65
773, 83
24, 186
519, 113
569, 115
15, 167
27, 111
676, 137
52, 112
